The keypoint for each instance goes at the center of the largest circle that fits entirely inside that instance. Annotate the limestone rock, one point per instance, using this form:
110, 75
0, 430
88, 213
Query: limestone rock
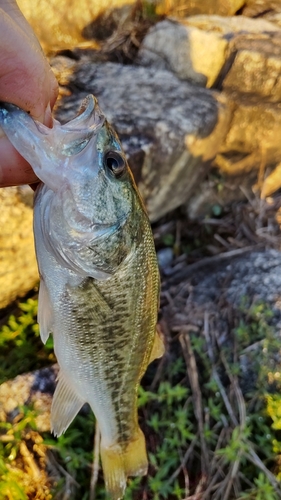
272, 182
213, 299
64, 24
265, 8
248, 73
256, 66
17, 256
254, 275
189, 52
169, 129
254, 133
230, 25
191, 7
61, 24
30, 388
199, 47
253, 56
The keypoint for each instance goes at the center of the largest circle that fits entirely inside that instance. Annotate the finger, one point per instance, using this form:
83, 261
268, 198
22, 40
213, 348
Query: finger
11, 8
26, 78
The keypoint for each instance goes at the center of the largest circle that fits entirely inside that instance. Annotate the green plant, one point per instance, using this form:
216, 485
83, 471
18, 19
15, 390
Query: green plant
21, 348
263, 490
204, 435
21, 455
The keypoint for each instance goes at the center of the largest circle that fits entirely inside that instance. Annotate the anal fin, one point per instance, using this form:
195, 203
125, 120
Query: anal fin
119, 462
65, 406
45, 313
158, 347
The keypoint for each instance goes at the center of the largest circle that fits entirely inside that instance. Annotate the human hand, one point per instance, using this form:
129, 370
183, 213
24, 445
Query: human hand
26, 80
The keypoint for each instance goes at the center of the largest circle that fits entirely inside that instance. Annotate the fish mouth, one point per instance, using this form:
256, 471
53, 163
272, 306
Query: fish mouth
52, 152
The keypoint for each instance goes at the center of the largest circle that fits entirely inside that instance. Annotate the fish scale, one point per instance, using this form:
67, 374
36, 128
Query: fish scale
99, 279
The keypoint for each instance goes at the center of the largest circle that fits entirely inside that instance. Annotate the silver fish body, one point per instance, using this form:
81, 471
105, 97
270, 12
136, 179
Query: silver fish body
99, 280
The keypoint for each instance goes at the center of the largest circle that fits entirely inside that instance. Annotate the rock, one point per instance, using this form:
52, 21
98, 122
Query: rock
228, 26
248, 76
60, 24
215, 298
169, 128
254, 133
275, 19
255, 275
198, 48
265, 8
165, 257
225, 283
191, 7
17, 256
272, 182
217, 192
34, 388
189, 52
256, 66
253, 54
252, 276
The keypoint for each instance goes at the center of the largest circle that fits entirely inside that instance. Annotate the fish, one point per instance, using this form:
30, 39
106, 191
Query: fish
99, 278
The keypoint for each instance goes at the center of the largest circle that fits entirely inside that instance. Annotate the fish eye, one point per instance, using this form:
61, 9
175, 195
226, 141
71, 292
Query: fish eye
115, 162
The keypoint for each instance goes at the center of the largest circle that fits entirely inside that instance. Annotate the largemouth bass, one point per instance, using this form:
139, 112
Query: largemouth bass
99, 279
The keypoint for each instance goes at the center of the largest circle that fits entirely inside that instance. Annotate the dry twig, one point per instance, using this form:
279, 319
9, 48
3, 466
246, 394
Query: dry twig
196, 392
95, 464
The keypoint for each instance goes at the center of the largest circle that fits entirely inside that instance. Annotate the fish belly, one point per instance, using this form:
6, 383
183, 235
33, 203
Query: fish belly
102, 352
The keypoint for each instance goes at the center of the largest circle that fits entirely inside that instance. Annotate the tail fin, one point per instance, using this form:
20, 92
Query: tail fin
118, 463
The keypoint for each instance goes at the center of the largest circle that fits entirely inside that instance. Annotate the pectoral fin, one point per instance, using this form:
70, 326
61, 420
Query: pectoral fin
158, 348
65, 406
45, 313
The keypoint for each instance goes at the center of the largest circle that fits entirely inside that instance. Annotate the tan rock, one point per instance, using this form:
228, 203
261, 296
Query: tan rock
200, 48
272, 182
59, 24
35, 388
17, 256
264, 8
191, 7
191, 53
229, 25
275, 18
256, 66
255, 127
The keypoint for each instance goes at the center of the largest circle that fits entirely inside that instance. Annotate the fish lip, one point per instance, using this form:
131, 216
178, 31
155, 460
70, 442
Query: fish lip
89, 109
42, 146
